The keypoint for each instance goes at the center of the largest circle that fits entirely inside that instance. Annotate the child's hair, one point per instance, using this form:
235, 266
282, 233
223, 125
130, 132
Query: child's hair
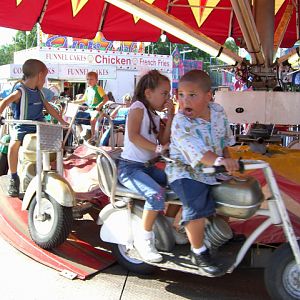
198, 76
93, 74
150, 80
111, 96
33, 67
126, 98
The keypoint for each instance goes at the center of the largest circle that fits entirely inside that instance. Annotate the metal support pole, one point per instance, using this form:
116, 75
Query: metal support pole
264, 19
39, 168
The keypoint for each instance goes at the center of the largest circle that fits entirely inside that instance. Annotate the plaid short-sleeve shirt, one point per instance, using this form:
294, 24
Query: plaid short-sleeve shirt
192, 138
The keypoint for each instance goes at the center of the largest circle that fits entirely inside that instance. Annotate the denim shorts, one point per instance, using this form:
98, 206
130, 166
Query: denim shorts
20, 130
84, 117
149, 182
195, 197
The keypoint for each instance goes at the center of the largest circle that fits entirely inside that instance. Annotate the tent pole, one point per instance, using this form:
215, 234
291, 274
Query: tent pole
264, 19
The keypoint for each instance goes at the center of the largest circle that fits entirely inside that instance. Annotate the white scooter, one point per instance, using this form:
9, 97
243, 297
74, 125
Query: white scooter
240, 198
47, 196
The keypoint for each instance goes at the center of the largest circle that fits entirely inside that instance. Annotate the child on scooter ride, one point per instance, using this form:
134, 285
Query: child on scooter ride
35, 73
144, 140
94, 98
200, 135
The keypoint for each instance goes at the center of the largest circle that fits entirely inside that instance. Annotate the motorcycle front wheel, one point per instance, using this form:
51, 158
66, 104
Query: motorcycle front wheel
53, 227
282, 275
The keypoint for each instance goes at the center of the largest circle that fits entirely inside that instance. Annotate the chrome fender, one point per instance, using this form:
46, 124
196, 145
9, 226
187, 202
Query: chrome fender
115, 225
55, 186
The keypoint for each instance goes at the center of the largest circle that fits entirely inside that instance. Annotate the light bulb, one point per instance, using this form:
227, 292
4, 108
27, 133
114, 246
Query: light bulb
163, 37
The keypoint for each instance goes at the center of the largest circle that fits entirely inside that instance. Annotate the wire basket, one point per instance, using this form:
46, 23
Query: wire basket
51, 137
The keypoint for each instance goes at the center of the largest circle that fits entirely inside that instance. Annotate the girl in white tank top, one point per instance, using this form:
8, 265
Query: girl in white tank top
145, 139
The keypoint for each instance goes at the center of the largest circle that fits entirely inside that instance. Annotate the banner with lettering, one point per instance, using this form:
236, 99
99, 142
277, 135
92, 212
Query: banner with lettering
98, 43
177, 71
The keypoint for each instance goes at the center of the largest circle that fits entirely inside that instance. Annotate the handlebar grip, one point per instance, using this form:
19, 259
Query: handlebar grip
222, 169
1, 120
241, 165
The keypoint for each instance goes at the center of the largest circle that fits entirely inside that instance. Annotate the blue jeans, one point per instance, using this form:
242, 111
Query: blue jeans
149, 182
195, 197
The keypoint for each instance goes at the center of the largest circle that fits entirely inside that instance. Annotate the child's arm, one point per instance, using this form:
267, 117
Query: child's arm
212, 159
135, 118
165, 132
105, 99
79, 101
196, 150
226, 153
82, 99
51, 110
13, 97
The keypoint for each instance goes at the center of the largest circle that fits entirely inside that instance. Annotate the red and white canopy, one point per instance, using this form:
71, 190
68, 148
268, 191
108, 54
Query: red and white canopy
212, 20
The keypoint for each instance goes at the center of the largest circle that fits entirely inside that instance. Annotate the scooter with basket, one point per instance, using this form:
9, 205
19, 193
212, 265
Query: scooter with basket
239, 198
46, 194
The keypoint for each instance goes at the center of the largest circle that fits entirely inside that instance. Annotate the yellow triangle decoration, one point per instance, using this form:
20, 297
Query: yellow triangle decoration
135, 18
278, 4
18, 2
77, 6
201, 14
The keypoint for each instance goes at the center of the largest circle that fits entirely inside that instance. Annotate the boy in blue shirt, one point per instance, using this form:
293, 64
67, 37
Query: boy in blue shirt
35, 73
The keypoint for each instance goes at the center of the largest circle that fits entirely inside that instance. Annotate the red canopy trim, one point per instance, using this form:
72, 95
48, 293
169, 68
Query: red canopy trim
79, 18
84, 18
20, 14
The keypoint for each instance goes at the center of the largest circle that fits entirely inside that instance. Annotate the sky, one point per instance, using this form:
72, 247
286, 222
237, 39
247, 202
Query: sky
6, 35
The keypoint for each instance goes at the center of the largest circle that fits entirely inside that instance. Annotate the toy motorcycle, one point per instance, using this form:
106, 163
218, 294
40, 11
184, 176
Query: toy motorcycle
239, 198
47, 196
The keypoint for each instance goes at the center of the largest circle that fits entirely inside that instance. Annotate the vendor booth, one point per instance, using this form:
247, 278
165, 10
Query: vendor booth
117, 71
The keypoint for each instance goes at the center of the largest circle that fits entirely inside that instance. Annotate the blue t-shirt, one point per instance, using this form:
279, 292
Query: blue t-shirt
48, 94
122, 114
33, 109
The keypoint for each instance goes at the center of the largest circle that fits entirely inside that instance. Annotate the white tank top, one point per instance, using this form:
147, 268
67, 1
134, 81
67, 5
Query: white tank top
133, 152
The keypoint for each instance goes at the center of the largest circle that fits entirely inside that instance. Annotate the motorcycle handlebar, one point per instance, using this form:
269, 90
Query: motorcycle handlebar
29, 122
244, 165
222, 169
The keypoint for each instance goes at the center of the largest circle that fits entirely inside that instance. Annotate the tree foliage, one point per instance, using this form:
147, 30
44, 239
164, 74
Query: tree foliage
6, 54
196, 54
22, 40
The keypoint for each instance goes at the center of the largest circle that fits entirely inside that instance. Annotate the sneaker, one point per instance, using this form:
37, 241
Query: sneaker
147, 250
207, 266
14, 186
87, 135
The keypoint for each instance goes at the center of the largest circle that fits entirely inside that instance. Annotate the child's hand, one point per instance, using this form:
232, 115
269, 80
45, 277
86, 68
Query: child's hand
64, 123
230, 164
165, 147
169, 106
